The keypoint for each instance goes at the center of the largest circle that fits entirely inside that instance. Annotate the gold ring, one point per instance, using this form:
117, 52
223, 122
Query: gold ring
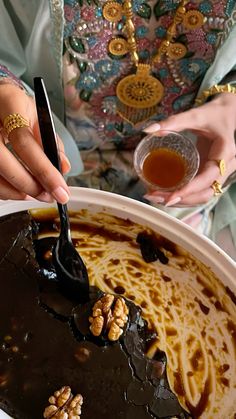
222, 166
217, 188
13, 121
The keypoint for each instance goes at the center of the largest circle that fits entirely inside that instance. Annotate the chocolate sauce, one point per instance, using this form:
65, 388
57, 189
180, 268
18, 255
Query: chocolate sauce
45, 343
150, 248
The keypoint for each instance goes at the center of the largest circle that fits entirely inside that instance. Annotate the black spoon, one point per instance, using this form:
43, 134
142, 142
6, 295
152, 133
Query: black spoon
70, 268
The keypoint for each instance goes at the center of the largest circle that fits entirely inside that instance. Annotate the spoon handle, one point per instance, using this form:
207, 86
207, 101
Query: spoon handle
65, 223
49, 141
46, 124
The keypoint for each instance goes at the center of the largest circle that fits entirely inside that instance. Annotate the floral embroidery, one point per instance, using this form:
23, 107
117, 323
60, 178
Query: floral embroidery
72, 16
105, 139
205, 7
160, 32
218, 9
197, 42
137, 4
107, 68
211, 38
70, 3
163, 73
88, 81
141, 32
230, 5
99, 49
194, 68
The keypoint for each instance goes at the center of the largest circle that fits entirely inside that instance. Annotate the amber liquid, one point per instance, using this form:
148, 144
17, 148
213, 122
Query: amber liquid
164, 168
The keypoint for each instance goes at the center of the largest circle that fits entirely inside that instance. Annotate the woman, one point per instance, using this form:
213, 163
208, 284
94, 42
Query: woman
93, 46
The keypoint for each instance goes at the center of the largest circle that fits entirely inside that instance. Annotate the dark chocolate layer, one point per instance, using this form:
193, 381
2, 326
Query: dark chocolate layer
43, 348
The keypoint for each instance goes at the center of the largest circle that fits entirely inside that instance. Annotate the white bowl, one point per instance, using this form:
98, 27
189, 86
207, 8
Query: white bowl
96, 201
199, 246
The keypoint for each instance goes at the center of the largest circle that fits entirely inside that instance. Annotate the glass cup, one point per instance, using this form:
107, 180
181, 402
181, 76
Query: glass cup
166, 161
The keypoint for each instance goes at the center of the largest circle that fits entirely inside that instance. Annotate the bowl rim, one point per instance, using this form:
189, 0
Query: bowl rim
200, 246
173, 229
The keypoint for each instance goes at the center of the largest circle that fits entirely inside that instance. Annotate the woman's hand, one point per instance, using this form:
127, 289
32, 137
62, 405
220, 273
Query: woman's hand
27, 171
214, 123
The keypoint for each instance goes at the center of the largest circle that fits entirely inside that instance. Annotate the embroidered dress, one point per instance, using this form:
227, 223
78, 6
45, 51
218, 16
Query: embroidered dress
91, 74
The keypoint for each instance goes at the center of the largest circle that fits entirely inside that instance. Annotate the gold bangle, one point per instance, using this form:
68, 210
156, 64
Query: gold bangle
14, 121
214, 90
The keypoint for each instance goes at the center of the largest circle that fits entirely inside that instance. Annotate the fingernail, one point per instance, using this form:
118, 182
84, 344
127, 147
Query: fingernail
29, 198
60, 195
173, 202
66, 166
143, 125
157, 199
45, 197
152, 128
67, 161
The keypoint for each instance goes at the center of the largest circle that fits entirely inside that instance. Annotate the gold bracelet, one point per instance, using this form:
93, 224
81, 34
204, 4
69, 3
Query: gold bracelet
214, 90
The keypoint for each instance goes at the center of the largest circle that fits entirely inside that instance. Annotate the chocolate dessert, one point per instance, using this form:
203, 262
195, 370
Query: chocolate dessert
87, 357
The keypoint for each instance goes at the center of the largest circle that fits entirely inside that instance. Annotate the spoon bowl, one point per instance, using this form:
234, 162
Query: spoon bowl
70, 268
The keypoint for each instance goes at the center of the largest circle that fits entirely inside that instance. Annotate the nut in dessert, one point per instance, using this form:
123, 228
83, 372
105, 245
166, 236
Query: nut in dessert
109, 316
63, 405
82, 354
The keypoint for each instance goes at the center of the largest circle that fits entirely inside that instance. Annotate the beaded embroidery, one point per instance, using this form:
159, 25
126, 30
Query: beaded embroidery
93, 73
57, 19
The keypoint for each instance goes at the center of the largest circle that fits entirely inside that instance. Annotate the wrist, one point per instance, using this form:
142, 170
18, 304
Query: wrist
228, 103
8, 90
7, 80
12, 100
7, 77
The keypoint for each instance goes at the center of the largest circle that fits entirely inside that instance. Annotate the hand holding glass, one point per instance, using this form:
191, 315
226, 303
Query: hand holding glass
166, 162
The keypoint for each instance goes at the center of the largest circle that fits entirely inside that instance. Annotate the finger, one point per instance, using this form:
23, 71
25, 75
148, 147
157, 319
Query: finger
204, 180
199, 183
195, 188
7, 191
16, 174
191, 119
191, 200
65, 163
196, 120
31, 153
196, 199
222, 148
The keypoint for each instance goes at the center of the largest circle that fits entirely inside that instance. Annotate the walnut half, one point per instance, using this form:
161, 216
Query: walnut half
109, 315
63, 405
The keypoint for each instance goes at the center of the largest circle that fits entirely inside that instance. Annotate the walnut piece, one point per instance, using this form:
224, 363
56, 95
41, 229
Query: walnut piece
109, 315
63, 405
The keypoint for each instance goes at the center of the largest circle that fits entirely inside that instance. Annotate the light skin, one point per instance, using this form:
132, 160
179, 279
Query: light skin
214, 123
32, 174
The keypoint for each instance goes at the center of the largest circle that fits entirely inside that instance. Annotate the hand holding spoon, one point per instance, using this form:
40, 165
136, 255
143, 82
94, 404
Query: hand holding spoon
69, 266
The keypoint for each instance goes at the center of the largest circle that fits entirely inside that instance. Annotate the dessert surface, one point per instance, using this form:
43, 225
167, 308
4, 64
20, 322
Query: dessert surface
191, 319
46, 343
